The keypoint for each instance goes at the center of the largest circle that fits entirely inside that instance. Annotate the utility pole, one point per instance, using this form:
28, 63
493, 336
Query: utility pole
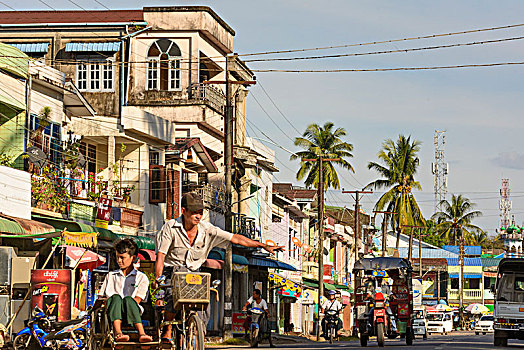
320, 216
410, 249
385, 229
357, 218
228, 163
461, 279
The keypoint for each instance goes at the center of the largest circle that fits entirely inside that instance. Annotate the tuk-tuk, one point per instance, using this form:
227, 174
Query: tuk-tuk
373, 303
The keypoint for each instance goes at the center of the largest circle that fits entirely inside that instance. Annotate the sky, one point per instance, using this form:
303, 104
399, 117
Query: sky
480, 108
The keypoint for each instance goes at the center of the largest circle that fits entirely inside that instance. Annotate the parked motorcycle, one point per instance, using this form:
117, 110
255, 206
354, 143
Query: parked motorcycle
41, 332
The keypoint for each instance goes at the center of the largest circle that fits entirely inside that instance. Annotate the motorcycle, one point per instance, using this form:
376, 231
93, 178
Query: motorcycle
331, 317
256, 334
41, 332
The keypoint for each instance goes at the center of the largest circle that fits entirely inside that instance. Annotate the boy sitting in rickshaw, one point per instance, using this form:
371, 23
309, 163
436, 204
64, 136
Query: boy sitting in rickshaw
125, 289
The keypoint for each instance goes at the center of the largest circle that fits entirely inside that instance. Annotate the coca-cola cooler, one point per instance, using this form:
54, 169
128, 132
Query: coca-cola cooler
51, 291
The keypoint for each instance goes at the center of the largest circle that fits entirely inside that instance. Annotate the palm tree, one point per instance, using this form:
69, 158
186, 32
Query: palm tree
323, 141
398, 177
479, 238
454, 221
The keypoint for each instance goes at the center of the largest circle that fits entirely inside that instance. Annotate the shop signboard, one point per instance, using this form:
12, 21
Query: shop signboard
238, 322
103, 212
51, 292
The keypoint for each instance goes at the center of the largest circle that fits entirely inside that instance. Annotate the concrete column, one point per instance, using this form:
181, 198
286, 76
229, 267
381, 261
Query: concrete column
111, 162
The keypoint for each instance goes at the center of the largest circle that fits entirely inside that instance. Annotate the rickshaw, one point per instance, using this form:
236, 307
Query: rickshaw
191, 294
367, 299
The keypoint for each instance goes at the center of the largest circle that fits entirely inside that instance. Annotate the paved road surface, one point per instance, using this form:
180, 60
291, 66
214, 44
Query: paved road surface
452, 341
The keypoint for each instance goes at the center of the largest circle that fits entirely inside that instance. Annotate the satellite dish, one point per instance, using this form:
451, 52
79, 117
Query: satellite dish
81, 161
37, 156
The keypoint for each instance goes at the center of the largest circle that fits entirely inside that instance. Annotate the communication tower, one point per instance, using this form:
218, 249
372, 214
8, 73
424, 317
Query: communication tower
440, 169
504, 204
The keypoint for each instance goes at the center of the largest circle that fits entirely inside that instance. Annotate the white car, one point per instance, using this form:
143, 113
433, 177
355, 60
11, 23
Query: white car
484, 325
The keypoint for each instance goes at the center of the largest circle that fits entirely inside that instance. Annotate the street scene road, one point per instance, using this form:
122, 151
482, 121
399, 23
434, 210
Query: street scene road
453, 341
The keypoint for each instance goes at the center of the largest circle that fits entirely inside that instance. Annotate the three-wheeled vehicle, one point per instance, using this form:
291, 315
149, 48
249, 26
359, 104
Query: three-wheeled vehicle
420, 324
368, 298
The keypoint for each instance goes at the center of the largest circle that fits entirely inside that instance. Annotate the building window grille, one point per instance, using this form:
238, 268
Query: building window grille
95, 75
164, 66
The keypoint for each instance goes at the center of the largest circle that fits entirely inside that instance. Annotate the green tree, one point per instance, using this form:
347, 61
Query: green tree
454, 221
479, 238
326, 142
431, 236
400, 164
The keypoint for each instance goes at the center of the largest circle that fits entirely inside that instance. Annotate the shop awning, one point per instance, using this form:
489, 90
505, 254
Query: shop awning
93, 47
32, 47
12, 102
143, 242
274, 264
466, 275
25, 228
219, 255
314, 284
73, 226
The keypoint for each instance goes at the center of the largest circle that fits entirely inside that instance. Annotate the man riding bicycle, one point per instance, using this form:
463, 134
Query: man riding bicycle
183, 244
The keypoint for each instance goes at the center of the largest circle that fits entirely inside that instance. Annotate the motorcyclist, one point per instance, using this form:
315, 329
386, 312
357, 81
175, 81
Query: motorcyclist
256, 301
334, 305
384, 288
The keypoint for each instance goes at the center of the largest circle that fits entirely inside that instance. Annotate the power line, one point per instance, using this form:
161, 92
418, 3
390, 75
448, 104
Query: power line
387, 41
387, 51
386, 69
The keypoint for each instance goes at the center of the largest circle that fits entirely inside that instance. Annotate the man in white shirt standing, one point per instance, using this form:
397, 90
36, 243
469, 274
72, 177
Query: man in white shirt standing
125, 289
331, 304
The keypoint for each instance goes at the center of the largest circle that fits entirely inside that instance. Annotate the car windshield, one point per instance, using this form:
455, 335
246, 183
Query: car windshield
487, 318
435, 317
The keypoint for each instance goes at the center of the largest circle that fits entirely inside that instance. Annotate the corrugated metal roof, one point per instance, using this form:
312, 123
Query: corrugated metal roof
13, 60
93, 47
32, 47
490, 262
466, 275
12, 102
427, 253
467, 262
468, 249
77, 16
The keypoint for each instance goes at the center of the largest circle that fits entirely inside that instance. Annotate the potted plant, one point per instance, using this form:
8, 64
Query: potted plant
126, 192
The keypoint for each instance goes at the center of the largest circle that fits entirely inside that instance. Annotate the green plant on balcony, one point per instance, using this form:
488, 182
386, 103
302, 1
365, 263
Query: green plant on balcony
48, 190
95, 186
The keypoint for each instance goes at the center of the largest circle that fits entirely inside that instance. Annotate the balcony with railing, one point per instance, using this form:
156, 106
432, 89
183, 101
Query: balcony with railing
468, 294
245, 226
209, 94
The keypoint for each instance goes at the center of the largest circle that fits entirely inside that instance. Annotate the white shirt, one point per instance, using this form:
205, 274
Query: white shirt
173, 241
135, 284
262, 305
385, 289
333, 305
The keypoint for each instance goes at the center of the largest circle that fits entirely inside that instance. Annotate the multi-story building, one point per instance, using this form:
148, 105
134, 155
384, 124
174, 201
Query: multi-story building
155, 78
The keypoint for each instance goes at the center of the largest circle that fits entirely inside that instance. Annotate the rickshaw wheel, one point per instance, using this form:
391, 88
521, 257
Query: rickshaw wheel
409, 336
363, 340
195, 333
380, 334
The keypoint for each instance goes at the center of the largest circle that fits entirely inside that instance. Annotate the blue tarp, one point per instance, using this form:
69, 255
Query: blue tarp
32, 47
466, 275
467, 262
468, 249
274, 264
93, 47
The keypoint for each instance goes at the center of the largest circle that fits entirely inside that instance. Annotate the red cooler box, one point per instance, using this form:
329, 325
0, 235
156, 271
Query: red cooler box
52, 292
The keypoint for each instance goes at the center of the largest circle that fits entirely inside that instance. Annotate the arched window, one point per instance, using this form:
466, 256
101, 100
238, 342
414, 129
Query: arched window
163, 66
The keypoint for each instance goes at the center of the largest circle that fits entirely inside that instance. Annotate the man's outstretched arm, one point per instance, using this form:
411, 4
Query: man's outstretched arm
246, 242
